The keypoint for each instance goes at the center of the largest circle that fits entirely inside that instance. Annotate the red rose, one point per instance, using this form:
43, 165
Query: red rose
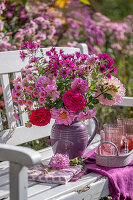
40, 117
74, 101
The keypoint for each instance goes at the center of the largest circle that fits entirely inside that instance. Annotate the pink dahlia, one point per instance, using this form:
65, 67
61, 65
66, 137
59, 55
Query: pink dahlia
79, 86
59, 161
63, 116
74, 101
117, 91
88, 114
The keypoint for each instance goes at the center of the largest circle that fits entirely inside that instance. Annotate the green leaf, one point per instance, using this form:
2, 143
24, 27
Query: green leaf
101, 88
95, 101
24, 1
83, 77
59, 104
108, 96
86, 2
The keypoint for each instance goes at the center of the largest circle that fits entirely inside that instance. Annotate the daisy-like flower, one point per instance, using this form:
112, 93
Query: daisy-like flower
41, 100
59, 161
88, 114
29, 103
63, 116
51, 91
17, 87
20, 102
30, 88
64, 72
35, 94
18, 94
79, 86
42, 82
42, 94
117, 91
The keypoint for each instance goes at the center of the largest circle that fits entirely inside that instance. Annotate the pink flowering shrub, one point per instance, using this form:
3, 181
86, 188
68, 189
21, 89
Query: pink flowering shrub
46, 91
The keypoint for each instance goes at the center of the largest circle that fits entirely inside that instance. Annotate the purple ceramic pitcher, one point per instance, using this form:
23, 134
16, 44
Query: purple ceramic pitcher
71, 140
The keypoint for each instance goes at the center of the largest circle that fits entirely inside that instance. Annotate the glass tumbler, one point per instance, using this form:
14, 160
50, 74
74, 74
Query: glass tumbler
128, 130
113, 133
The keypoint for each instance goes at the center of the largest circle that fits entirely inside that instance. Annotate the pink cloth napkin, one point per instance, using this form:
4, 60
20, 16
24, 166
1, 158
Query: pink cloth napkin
120, 179
42, 173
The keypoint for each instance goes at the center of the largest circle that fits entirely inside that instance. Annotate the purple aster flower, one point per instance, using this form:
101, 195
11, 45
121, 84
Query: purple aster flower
110, 63
35, 59
104, 56
109, 75
114, 70
79, 86
22, 55
77, 54
64, 72
102, 68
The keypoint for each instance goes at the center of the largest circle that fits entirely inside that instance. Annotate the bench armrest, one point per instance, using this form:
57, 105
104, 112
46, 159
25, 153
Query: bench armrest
20, 155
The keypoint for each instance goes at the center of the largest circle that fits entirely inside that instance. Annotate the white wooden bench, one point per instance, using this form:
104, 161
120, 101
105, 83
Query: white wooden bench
13, 174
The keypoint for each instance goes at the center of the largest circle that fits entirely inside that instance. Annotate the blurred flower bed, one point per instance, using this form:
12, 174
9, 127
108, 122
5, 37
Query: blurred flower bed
67, 23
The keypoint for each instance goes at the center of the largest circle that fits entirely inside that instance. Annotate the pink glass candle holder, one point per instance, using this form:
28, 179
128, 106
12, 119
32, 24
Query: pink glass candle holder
113, 133
127, 123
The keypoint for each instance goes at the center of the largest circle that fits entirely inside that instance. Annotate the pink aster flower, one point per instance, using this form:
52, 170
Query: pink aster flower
59, 161
17, 87
18, 94
29, 103
42, 82
79, 86
63, 116
41, 100
35, 94
88, 114
117, 91
20, 102
74, 101
30, 88
30, 77
51, 91
42, 93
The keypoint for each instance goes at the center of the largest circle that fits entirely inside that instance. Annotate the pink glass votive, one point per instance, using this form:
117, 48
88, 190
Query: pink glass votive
113, 133
127, 123
128, 126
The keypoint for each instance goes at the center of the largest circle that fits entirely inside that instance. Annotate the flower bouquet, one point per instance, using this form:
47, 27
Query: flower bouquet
65, 87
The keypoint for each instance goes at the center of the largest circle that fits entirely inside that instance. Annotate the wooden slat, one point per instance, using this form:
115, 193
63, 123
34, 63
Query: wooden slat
1, 126
8, 100
83, 48
127, 101
22, 134
64, 189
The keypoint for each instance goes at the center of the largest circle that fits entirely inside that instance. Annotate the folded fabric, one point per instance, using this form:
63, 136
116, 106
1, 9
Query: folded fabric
42, 173
120, 179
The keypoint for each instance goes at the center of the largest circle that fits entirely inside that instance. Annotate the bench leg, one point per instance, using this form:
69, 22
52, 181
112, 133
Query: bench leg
18, 182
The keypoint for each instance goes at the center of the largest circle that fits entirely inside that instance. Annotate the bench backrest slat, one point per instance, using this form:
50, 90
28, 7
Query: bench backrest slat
1, 126
8, 100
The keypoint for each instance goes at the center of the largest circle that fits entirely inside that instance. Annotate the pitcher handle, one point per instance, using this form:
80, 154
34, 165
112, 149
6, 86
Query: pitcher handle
95, 130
